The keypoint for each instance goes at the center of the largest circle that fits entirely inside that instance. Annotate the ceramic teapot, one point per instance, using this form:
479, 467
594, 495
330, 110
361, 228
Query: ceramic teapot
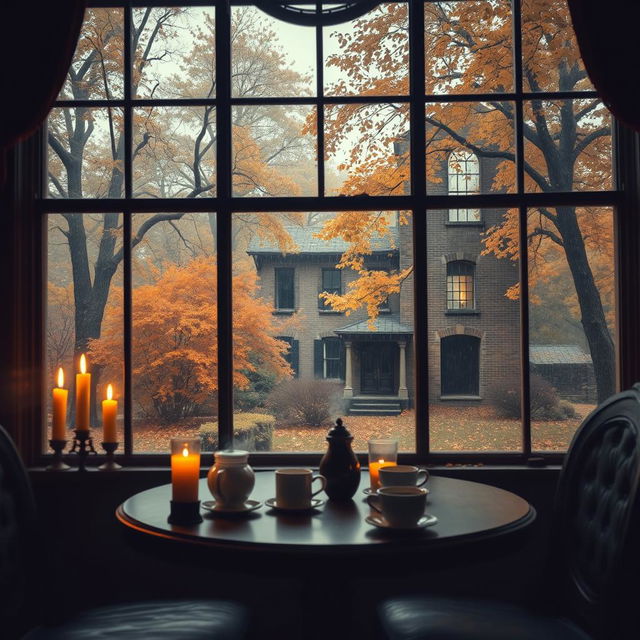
231, 479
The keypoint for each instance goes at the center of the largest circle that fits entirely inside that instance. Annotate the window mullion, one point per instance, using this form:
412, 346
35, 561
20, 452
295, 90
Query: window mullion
223, 226
419, 188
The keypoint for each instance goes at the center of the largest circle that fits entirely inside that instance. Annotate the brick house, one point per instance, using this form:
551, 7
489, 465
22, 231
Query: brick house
473, 327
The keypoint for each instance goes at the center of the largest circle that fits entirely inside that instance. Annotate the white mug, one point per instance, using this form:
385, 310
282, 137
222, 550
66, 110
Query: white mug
403, 475
401, 507
293, 488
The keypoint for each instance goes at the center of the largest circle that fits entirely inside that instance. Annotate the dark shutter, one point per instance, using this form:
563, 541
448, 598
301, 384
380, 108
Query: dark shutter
294, 354
343, 361
318, 359
285, 298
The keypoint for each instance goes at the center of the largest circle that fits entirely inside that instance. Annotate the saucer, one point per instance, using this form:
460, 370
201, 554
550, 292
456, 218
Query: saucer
249, 505
315, 503
370, 492
427, 520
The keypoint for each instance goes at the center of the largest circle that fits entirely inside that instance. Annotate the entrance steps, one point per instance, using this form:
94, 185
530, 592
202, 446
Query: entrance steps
375, 406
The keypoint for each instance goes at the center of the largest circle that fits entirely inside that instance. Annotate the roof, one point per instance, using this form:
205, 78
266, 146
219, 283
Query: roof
307, 242
382, 324
558, 354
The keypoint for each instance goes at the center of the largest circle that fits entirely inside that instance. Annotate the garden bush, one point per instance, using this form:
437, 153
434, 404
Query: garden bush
546, 404
306, 402
251, 431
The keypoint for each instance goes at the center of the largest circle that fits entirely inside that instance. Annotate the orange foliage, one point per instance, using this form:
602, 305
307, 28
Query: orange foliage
174, 326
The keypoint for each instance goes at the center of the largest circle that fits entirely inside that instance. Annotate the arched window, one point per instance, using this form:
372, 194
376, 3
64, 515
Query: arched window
460, 286
463, 174
460, 366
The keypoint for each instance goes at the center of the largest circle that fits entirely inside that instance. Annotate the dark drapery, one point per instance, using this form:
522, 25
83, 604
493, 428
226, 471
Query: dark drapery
609, 39
37, 41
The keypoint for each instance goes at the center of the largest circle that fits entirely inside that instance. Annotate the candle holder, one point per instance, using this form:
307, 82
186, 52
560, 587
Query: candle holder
383, 452
110, 464
58, 464
83, 446
185, 513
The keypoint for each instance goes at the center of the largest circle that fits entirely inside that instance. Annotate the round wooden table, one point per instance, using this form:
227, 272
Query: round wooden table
327, 551
467, 512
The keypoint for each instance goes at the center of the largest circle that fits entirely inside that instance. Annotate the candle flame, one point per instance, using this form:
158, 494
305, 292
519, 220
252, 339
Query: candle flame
185, 451
60, 378
83, 364
110, 392
381, 461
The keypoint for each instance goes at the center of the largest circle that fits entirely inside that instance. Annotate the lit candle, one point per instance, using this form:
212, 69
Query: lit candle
59, 419
185, 470
109, 411
83, 396
374, 472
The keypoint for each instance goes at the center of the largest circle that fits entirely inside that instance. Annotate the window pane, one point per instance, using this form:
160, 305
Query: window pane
550, 54
457, 129
97, 68
468, 47
568, 146
285, 288
474, 318
174, 334
369, 55
85, 153
173, 52
270, 58
357, 364
274, 151
367, 149
174, 152
572, 354
87, 245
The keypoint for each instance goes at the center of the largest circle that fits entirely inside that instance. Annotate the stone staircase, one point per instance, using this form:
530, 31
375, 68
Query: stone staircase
375, 406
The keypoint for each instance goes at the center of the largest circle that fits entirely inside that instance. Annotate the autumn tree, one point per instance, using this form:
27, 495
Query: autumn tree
174, 147
468, 49
175, 339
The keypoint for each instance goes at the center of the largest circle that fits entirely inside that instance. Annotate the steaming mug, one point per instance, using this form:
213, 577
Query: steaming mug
231, 479
403, 475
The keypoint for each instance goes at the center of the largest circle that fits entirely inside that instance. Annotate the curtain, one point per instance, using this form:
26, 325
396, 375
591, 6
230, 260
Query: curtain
609, 41
37, 42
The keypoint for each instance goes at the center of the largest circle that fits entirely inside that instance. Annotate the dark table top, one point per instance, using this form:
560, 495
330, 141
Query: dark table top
466, 512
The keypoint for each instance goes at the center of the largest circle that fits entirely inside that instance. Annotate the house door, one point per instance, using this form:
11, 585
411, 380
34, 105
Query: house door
377, 365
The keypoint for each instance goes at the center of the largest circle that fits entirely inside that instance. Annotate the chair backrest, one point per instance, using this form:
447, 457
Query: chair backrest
597, 520
20, 551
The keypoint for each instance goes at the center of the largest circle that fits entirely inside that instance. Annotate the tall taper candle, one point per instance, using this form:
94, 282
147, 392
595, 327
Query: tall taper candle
109, 411
83, 396
59, 418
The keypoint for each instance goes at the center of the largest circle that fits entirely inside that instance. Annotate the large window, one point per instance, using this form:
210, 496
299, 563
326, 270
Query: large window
212, 168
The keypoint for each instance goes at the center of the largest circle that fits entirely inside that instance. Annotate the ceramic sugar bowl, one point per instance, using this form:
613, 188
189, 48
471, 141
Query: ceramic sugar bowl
231, 479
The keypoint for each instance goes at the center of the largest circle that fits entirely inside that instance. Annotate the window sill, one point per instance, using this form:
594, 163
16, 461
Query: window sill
330, 312
461, 312
479, 224
283, 312
461, 397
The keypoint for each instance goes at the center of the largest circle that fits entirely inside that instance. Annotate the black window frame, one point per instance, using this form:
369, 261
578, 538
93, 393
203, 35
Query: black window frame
333, 271
279, 282
455, 288
622, 198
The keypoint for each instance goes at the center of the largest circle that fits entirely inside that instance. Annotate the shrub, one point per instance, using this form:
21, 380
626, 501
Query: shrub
251, 431
305, 402
261, 382
545, 402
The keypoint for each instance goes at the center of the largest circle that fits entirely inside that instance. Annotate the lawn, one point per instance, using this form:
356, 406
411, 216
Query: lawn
452, 429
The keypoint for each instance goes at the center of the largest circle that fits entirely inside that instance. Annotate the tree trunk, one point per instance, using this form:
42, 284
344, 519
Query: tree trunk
592, 313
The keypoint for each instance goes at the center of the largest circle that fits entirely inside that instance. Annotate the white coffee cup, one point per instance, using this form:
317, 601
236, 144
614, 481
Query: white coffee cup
403, 475
293, 488
401, 507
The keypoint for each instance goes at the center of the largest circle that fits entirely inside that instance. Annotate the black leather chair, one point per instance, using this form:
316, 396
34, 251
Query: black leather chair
25, 587
591, 589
